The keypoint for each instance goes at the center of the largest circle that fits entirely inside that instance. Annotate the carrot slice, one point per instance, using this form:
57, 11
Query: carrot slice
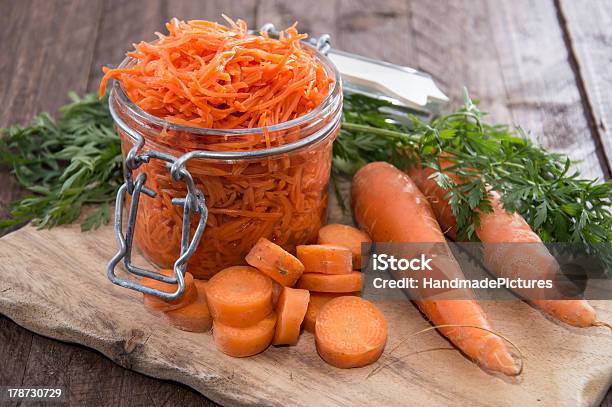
155, 304
345, 236
325, 259
239, 296
276, 292
275, 262
291, 308
316, 302
350, 332
242, 342
194, 317
332, 283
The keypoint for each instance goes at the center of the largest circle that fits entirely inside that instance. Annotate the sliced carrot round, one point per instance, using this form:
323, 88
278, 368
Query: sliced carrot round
239, 296
332, 283
276, 292
326, 259
242, 342
194, 317
155, 304
346, 236
315, 303
291, 308
350, 332
275, 262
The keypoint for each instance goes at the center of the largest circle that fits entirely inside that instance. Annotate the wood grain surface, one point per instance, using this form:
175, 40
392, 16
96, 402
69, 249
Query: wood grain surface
591, 50
538, 63
55, 284
89, 377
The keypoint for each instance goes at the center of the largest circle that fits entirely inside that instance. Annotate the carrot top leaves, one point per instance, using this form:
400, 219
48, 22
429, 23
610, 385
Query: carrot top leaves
542, 186
64, 164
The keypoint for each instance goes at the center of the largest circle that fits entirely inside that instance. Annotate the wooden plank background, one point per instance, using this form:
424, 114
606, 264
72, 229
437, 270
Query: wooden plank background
541, 63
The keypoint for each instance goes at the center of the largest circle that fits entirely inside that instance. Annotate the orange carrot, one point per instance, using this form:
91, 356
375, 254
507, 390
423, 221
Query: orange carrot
242, 342
577, 313
316, 302
350, 332
346, 236
194, 317
291, 308
532, 258
332, 283
390, 208
276, 292
239, 296
325, 259
275, 262
156, 304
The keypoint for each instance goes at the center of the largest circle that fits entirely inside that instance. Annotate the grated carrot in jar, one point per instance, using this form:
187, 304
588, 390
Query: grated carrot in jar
204, 74
207, 75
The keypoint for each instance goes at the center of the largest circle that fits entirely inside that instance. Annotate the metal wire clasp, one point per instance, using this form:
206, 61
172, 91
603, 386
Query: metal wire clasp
193, 203
322, 44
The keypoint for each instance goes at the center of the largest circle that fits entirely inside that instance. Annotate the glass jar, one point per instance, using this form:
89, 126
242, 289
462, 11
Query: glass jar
280, 194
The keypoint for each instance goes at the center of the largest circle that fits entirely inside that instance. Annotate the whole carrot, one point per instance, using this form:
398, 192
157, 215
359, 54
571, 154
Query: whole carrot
390, 208
497, 227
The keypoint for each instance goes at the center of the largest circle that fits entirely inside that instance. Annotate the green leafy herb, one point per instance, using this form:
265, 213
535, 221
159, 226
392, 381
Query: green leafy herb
556, 202
64, 164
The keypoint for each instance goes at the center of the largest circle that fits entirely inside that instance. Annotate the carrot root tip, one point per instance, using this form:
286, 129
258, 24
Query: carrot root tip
515, 370
603, 324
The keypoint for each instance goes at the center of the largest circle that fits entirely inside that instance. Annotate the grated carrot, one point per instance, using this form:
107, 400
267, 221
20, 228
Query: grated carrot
205, 74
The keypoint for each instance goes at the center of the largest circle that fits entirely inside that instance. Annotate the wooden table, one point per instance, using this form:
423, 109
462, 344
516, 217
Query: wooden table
543, 64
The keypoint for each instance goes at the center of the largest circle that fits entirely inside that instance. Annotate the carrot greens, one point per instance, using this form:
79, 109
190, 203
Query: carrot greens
542, 186
64, 165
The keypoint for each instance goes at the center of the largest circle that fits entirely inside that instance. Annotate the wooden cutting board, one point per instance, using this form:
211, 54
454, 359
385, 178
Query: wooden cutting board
54, 283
